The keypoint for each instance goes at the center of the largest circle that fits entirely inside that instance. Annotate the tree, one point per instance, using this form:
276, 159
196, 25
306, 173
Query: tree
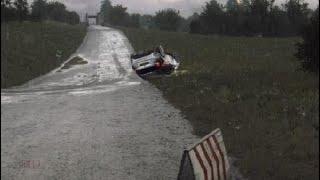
213, 18
185, 22
147, 22
72, 18
56, 11
297, 12
232, 5
21, 9
236, 14
278, 24
5, 3
105, 9
259, 14
134, 20
168, 19
8, 13
245, 5
38, 11
308, 50
118, 15
195, 26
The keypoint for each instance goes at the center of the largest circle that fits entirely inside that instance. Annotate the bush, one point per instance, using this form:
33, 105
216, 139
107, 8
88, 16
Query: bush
308, 50
168, 20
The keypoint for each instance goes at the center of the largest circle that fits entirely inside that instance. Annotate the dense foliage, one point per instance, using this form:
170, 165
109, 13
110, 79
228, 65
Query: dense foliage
168, 19
308, 51
40, 10
118, 16
252, 17
248, 17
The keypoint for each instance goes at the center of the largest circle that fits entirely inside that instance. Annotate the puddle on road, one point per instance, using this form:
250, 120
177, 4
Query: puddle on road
74, 61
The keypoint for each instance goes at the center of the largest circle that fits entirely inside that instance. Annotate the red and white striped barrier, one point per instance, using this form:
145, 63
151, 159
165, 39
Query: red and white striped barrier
206, 160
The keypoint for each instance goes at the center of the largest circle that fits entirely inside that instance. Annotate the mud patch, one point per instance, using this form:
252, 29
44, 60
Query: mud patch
74, 61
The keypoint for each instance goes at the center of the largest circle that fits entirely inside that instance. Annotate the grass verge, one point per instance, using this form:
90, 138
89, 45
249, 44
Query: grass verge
252, 90
30, 49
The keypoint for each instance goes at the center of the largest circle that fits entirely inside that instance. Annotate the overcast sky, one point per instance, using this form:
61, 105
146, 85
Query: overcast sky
186, 7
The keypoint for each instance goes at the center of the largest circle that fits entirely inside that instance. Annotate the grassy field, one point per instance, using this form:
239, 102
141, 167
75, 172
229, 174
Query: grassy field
30, 49
252, 89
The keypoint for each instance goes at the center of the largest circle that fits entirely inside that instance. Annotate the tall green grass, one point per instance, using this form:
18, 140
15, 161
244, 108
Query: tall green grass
30, 49
253, 90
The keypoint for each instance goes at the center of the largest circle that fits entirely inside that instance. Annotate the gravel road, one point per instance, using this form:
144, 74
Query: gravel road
91, 121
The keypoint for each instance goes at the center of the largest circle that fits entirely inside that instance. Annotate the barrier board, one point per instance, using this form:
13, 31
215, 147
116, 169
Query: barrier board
206, 160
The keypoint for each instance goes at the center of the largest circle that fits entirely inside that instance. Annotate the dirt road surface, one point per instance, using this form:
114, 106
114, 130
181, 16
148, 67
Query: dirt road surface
91, 121
94, 120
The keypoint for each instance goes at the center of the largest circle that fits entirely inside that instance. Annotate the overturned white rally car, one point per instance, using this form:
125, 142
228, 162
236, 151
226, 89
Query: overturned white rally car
154, 62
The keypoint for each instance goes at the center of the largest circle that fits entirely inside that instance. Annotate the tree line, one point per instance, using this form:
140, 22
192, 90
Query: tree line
248, 17
117, 15
235, 18
252, 17
39, 10
308, 50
